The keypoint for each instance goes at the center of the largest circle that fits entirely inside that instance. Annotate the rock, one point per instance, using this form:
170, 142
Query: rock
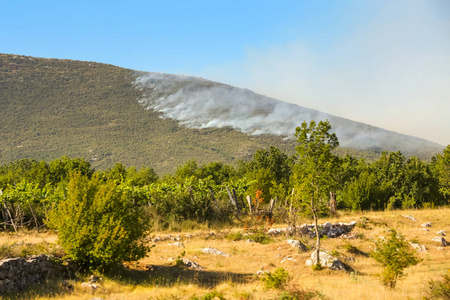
191, 264
91, 286
250, 241
441, 233
441, 240
440, 248
188, 236
418, 248
214, 251
297, 244
410, 217
259, 273
428, 224
289, 258
327, 260
178, 244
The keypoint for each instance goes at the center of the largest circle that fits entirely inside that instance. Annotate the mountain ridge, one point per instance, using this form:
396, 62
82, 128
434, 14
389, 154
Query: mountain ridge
52, 107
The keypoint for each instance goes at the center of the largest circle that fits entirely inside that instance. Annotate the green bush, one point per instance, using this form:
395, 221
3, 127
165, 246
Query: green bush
98, 224
439, 289
395, 255
275, 280
209, 296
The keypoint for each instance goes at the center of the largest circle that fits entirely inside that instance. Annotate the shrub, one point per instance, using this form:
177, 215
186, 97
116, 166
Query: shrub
209, 296
98, 224
275, 280
395, 255
439, 289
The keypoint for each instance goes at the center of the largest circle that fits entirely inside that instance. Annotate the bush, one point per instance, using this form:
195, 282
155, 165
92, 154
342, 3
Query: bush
395, 255
98, 224
276, 280
439, 289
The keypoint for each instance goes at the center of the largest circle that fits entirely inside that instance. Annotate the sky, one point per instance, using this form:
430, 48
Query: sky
385, 62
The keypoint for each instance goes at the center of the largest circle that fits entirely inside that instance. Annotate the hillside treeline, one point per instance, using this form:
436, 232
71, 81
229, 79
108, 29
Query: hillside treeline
217, 192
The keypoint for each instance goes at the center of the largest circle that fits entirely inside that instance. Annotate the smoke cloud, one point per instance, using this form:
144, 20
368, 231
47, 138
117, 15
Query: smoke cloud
199, 103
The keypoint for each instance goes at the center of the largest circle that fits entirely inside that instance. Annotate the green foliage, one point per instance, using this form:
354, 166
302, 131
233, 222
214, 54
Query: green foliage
395, 255
276, 279
439, 289
443, 170
209, 296
98, 224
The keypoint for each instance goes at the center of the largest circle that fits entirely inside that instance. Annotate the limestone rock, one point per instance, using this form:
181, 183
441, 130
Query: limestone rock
428, 224
191, 264
327, 260
214, 251
178, 244
441, 233
288, 258
418, 248
411, 218
297, 244
441, 240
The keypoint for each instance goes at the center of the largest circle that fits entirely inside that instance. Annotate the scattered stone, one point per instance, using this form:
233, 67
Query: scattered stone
418, 248
328, 229
428, 224
178, 244
327, 260
91, 286
289, 258
17, 274
297, 244
250, 241
411, 218
214, 251
261, 272
424, 229
441, 233
188, 236
191, 264
440, 248
441, 240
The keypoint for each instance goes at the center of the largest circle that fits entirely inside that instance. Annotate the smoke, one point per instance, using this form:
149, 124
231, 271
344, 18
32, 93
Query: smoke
390, 68
199, 103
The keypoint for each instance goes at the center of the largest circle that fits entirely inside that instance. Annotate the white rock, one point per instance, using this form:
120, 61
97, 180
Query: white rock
214, 251
428, 224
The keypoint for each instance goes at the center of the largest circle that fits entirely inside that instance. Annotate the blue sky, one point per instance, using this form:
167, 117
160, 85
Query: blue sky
386, 63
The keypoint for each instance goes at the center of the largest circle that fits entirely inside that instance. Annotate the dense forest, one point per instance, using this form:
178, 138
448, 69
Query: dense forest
218, 193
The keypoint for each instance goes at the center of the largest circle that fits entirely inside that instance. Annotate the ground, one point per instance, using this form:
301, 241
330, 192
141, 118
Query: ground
158, 277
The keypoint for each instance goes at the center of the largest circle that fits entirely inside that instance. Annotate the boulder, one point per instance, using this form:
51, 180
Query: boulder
441, 233
411, 218
329, 261
428, 224
297, 244
441, 240
214, 251
418, 248
191, 264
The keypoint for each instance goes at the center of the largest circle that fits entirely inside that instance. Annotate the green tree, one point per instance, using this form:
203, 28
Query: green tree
443, 170
395, 255
315, 168
98, 224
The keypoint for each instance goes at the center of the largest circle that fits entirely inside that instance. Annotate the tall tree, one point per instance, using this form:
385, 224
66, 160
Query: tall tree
314, 171
443, 169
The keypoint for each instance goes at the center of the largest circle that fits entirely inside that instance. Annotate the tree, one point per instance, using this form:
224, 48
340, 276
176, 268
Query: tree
313, 174
395, 255
443, 170
98, 224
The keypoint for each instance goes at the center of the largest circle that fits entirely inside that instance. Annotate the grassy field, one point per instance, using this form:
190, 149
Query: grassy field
234, 277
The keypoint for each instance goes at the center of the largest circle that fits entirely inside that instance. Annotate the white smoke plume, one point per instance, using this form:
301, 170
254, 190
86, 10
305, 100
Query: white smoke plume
199, 103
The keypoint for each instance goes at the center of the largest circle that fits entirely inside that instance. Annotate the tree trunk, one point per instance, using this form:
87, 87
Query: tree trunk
332, 203
213, 198
249, 200
313, 208
34, 216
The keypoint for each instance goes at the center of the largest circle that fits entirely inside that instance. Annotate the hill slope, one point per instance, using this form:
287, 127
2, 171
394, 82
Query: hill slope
50, 108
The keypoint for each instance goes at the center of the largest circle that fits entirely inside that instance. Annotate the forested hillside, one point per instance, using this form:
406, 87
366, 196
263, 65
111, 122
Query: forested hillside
50, 108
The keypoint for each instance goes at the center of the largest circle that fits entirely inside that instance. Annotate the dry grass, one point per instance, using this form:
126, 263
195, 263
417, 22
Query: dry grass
155, 277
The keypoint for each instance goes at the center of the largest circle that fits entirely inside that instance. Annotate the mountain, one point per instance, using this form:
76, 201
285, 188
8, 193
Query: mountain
107, 114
